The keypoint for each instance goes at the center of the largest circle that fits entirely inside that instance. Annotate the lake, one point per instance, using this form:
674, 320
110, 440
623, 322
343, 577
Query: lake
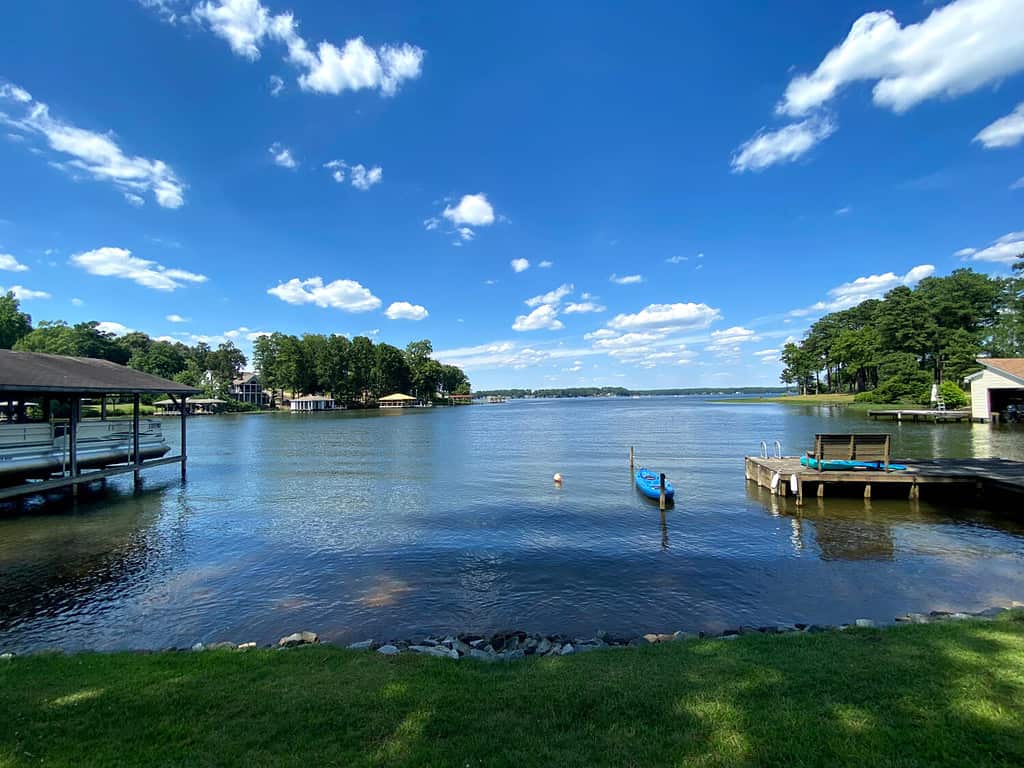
376, 525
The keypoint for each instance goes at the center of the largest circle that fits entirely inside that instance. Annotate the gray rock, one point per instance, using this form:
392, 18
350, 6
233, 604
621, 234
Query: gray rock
677, 636
515, 655
960, 616
476, 653
362, 645
864, 623
567, 649
726, 637
246, 646
991, 613
543, 646
298, 638
653, 638
477, 643
460, 647
198, 647
6, 656
222, 646
388, 650
435, 650
638, 641
814, 629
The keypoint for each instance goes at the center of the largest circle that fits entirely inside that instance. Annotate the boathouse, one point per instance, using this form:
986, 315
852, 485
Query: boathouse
310, 403
397, 400
997, 390
40, 452
198, 406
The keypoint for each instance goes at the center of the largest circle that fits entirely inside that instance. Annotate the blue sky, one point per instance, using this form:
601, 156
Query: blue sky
556, 194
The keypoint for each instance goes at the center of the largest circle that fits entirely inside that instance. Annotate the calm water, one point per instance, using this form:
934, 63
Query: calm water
362, 525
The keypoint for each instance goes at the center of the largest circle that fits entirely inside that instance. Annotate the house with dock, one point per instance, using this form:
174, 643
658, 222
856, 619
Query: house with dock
312, 403
398, 400
997, 390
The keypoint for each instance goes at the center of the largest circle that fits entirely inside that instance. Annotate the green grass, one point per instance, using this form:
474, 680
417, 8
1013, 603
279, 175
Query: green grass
117, 409
836, 399
922, 695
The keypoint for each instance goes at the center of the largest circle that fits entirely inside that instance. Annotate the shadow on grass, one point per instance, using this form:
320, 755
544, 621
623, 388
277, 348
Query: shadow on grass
949, 694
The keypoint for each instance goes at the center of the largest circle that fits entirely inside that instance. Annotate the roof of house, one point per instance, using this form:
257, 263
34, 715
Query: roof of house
246, 377
1013, 367
312, 398
40, 373
395, 397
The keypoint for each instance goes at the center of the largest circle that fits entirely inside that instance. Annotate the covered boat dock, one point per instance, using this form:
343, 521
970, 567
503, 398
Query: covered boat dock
43, 380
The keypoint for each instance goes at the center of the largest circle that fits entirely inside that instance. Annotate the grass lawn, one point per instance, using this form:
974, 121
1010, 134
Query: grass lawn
839, 399
919, 695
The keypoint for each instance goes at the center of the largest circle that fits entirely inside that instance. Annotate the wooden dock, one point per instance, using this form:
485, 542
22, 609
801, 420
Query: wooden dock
786, 476
921, 415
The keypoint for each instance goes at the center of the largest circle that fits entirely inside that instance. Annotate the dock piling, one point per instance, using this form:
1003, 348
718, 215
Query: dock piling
661, 493
631, 458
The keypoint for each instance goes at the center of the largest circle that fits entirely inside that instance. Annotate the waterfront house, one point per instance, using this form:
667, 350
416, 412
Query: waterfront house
248, 388
310, 403
997, 390
397, 400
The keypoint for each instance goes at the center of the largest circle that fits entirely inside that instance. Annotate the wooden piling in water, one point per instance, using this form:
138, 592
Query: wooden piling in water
631, 457
661, 493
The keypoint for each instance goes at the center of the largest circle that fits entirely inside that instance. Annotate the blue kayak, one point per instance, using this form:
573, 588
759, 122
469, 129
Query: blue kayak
848, 465
649, 484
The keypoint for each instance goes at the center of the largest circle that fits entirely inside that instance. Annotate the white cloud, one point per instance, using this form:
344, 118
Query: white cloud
466, 233
119, 262
1018, 184
11, 264
134, 199
96, 154
431, 223
728, 339
551, 297
276, 85
363, 178
337, 168
247, 24
77, 302
403, 310
176, 318
346, 295
958, 48
545, 264
681, 315
282, 156
520, 265
844, 210
21, 293
601, 333
506, 354
582, 307
768, 148
627, 279
863, 288
771, 354
1005, 132
676, 259
1003, 251
474, 210
544, 317
115, 329
628, 341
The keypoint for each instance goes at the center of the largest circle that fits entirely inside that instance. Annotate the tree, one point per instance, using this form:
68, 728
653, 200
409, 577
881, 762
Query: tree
224, 365
14, 324
390, 371
80, 340
453, 380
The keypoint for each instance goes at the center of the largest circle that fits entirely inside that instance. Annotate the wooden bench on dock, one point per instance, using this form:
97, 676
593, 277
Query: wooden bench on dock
872, 447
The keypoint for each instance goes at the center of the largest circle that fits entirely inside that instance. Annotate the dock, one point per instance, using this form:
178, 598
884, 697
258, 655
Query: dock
786, 476
935, 416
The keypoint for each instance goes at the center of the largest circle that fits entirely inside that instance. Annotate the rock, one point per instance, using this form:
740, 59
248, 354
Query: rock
567, 649
916, 618
298, 638
864, 623
584, 647
727, 637
435, 650
6, 656
461, 647
603, 636
515, 655
362, 645
543, 646
246, 647
939, 614
198, 647
638, 641
478, 642
678, 636
814, 629
554, 650
388, 650
223, 646
476, 653
653, 638
960, 616
991, 613
744, 630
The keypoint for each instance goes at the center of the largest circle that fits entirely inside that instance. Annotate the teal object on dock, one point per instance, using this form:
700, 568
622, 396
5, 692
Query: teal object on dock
649, 484
827, 464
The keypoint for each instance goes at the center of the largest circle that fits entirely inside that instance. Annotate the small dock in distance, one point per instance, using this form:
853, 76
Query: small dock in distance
978, 476
921, 415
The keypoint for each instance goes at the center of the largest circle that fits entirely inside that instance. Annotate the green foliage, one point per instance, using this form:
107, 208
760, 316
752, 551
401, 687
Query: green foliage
14, 324
951, 395
80, 340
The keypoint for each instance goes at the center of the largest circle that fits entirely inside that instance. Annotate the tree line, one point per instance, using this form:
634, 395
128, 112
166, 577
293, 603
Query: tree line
894, 348
355, 370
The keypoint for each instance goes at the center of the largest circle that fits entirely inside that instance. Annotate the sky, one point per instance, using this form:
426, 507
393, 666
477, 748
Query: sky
556, 194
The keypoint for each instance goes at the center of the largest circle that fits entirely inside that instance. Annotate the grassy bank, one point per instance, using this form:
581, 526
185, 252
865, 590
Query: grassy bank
937, 694
844, 400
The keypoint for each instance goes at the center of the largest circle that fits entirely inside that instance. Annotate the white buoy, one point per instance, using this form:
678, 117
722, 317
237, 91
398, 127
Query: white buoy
557, 478
775, 481
794, 483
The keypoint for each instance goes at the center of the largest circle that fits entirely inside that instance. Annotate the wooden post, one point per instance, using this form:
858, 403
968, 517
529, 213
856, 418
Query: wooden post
103, 407
821, 490
631, 458
135, 438
76, 407
800, 493
661, 493
867, 490
184, 415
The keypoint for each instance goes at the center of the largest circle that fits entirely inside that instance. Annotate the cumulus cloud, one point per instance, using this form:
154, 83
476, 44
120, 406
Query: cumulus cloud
544, 317
360, 176
403, 310
282, 156
727, 340
863, 288
626, 279
957, 49
583, 307
551, 297
113, 328
175, 318
246, 25
1005, 132
768, 148
474, 210
11, 264
95, 154
676, 259
346, 295
680, 315
465, 233
431, 223
1002, 251
520, 265
21, 293
546, 264
119, 262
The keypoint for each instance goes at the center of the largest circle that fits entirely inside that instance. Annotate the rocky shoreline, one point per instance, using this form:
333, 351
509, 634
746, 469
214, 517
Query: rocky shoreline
514, 645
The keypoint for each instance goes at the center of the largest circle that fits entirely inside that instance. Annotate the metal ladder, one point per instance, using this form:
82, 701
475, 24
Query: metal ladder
777, 447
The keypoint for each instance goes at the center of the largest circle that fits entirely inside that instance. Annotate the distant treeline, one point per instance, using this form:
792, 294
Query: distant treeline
896, 347
623, 392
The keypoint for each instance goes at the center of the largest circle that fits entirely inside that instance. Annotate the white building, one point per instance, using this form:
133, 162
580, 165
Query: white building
997, 387
310, 403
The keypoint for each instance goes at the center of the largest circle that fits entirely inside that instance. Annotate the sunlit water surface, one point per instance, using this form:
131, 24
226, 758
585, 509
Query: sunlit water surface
389, 525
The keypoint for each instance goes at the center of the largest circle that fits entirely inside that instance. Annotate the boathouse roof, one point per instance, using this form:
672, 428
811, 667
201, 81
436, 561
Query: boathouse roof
1008, 366
395, 397
39, 373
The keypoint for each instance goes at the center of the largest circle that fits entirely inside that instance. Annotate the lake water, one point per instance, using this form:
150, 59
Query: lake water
390, 525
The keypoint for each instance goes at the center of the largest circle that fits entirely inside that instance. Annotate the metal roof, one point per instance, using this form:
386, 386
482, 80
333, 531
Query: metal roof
395, 397
38, 372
